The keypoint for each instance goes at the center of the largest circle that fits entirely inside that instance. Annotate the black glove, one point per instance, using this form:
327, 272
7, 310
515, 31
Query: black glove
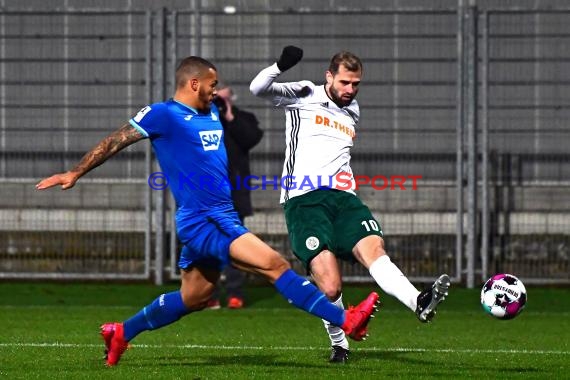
290, 56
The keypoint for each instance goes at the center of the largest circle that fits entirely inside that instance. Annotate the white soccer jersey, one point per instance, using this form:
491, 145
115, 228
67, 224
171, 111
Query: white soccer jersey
319, 134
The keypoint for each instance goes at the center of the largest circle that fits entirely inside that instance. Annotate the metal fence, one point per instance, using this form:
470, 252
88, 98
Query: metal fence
472, 100
525, 108
66, 80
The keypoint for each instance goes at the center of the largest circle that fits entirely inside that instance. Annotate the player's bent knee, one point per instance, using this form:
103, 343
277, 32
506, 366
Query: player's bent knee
369, 249
278, 263
195, 303
277, 266
195, 296
330, 287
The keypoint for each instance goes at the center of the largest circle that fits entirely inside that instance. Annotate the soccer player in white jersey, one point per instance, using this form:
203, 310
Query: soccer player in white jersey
325, 219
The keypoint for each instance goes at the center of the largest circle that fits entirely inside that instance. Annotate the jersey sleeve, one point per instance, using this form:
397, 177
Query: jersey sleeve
280, 94
151, 121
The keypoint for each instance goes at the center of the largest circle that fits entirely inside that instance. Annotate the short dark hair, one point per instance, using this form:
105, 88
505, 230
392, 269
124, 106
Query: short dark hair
345, 58
192, 67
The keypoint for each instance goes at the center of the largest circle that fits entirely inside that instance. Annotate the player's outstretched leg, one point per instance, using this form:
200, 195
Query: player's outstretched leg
164, 310
299, 291
429, 299
115, 343
306, 296
357, 317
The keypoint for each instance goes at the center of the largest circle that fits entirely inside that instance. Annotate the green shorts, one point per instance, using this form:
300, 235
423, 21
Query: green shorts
328, 219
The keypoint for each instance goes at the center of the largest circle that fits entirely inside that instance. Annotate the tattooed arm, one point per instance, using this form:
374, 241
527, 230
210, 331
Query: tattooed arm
121, 138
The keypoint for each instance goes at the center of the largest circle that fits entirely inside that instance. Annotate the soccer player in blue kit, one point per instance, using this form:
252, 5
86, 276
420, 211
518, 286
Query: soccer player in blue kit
186, 135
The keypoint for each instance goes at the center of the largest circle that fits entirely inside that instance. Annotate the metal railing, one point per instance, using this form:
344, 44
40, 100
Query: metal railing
473, 100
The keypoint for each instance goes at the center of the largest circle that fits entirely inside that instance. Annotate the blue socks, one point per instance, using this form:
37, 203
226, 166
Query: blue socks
304, 295
164, 310
168, 308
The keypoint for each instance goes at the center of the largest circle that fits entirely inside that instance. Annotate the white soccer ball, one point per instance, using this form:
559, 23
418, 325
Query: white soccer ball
503, 296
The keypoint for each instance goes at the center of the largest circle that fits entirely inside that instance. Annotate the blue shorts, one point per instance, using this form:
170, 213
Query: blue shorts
207, 237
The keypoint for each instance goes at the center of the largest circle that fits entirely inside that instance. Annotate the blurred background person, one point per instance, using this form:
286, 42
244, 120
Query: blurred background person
241, 134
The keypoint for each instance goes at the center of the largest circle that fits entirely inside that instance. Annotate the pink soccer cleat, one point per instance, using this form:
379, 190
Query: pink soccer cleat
357, 317
115, 343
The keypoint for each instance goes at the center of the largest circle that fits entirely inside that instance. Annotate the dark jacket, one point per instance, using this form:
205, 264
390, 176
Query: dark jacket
240, 136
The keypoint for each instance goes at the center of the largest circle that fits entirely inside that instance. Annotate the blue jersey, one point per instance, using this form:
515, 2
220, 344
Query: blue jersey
189, 147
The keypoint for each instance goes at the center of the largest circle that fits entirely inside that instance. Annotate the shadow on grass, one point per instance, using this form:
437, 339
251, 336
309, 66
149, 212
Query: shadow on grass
361, 365
226, 361
450, 368
401, 357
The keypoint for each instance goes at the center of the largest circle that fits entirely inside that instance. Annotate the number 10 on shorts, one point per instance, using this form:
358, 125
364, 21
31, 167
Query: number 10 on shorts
370, 225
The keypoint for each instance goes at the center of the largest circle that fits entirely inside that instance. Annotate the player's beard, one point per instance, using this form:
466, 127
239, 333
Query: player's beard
205, 98
340, 101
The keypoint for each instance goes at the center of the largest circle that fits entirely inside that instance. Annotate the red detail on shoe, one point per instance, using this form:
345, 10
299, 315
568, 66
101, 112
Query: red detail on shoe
235, 303
115, 343
357, 317
213, 304
107, 331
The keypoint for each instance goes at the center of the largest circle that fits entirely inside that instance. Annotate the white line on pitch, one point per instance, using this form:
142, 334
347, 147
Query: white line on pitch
273, 310
290, 348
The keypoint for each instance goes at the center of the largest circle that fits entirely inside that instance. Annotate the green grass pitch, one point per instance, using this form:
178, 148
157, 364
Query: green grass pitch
51, 331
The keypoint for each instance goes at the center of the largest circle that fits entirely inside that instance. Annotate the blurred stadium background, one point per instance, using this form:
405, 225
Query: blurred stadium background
472, 96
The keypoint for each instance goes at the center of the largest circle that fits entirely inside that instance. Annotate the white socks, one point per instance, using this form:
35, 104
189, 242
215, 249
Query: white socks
335, 333
391, 280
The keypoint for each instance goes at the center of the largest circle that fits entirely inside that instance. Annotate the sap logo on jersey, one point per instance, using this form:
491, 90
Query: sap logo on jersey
211, 139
